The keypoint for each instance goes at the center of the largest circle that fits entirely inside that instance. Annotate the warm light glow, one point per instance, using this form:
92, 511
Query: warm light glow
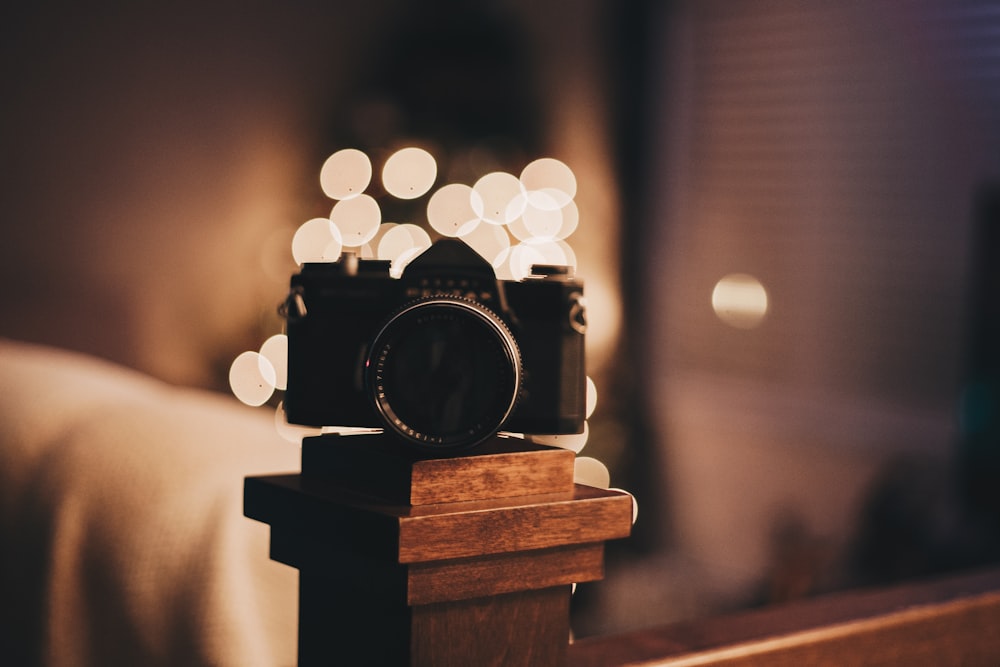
292, 432
491, 242
740, 301
570, 220
533, 251
252, 378
401, 245
591, 396
409, 173
574, 442
316, 240
519, 230
496, 191
345, 174
567, 253
635, 503
370, 249
553, 252
357, 219
591, 472
552, 176
542, 217
522, 257
450, 212
275, 350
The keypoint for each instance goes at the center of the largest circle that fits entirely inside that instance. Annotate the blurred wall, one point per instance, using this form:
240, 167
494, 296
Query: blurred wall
151, 152
833, 152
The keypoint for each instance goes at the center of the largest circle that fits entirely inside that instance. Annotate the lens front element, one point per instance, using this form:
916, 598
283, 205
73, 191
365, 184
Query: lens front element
444, 372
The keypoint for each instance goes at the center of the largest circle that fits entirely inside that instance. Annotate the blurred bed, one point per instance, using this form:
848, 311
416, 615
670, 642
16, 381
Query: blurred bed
123, 539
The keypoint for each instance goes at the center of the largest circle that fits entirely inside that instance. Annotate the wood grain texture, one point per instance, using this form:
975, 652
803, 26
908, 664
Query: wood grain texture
498, 475
380, 467
460, 530
952, 621
331, 520
480, 581
506, 573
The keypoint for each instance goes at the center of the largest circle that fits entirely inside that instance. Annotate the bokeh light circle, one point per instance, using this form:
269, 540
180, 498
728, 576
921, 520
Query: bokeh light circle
275, 350
551, 175
567, 253
591, 396
519, 230
357, 219
740, 301
345, 174
370, 249
409, 173
316, 240
552, 252
491, 242
542, 217
450, 211
292, 432
496, 191
522, 257
401, 244
635, 503
591, 472
574, 442
252, 378
570, 220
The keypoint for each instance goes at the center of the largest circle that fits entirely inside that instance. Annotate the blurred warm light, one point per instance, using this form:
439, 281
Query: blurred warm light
542, 215
570, 220
370, 249
292, 432
522, 257
635, 503
450, 211
491, 242
357, 219
317, 240
536, 209
574, 442
498, 196
604, 318
591, 472
740, 300
275, 350
252, 378
409, 173
557, 253
591, 396
345, 174
551, 176
401, 244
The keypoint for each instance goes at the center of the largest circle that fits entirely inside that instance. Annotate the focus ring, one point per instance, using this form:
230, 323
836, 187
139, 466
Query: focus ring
443, 372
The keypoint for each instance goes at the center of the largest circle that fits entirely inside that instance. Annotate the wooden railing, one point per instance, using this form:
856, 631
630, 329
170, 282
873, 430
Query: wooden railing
948, 621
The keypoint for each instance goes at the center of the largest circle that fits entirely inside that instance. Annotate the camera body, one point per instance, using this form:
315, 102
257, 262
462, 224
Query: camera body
445, 356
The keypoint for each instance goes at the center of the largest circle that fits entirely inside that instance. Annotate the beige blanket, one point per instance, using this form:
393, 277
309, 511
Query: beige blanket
122, 539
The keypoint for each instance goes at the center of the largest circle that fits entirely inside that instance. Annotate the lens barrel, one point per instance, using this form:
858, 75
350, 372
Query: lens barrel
444, 372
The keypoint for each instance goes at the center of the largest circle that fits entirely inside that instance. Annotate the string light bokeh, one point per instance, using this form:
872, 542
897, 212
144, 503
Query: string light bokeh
513, 221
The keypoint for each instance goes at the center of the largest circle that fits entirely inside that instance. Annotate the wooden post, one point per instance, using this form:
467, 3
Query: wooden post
406, 560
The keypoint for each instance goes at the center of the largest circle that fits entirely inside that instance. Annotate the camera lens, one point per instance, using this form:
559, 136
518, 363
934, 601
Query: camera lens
444, 372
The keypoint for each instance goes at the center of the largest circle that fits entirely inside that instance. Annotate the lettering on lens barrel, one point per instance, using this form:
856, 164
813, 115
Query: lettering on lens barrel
443, 357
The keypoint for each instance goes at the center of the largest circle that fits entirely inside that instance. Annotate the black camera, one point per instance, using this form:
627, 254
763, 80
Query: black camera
445, 356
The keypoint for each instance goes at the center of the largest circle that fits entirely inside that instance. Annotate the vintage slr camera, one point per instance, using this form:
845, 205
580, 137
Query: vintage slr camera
443, 357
